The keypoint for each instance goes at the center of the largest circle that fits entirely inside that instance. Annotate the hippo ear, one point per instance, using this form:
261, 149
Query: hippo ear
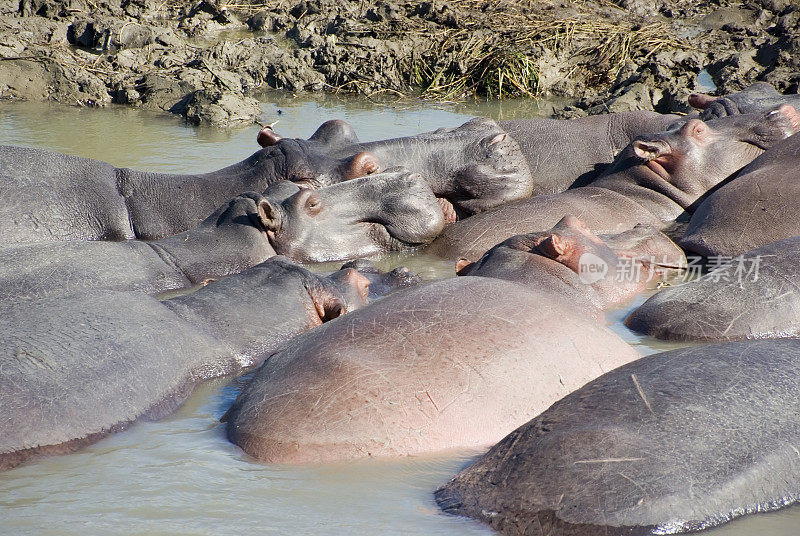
358, 281
647, 150
335, 133
364, 163
492, 140
267, 137
699, 100
268, 215
553, 245
463, 266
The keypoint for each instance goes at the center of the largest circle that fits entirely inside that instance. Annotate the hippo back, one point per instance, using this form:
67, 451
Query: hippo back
674, 442
52, 196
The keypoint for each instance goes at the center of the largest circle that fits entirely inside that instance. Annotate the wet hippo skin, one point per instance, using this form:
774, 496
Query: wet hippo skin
75, 368
674, 442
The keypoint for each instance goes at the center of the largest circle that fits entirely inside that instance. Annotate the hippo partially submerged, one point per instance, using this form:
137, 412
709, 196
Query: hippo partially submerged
753, 296
389, 211
50, 196
754, 209
589, 272
675, 442
383, 212
76, 368
475, 166
654, 180
422, 370
758, 97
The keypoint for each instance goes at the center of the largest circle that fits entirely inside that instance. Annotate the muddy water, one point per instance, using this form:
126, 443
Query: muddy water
180, 475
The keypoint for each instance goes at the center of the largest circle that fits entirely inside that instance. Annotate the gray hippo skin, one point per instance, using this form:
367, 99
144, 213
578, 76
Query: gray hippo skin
475, 166
570, 153
389, 211
675, 442
354, 218
653, 181
758, 97
382, 283
51, 196
563, 261
756, 208
754, 296
74, 369
419, 371
227, 242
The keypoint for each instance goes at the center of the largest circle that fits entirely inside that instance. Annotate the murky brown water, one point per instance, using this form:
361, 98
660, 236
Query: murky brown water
180, 475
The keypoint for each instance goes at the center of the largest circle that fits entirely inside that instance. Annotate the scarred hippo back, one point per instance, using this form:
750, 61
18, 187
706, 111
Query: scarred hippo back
751, 297
756, 208
455, 363
674, 442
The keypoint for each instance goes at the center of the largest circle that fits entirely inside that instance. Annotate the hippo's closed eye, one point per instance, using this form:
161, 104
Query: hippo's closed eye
313, 203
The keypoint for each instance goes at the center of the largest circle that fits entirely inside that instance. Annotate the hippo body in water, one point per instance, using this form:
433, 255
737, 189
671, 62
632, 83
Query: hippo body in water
482, 164
76, 368
569, 153
674, 442
756, 98
589, 272
384, 212
754, 296
756, 208
653, 181
51, 196
410, 375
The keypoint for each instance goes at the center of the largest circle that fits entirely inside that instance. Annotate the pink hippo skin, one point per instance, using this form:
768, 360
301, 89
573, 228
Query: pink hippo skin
421, 371
559, 261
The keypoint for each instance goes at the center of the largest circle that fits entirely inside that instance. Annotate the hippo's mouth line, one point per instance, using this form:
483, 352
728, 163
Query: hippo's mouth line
656, 167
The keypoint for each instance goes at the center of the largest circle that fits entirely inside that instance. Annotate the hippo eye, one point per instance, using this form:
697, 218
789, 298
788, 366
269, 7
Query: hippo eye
313, 204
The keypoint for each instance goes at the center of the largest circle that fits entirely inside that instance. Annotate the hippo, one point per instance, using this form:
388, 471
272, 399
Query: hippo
674, 442
568, 153
474, 167
655, 180
753, 296
91, 200
388, 211
563, 261
413, 374
756, 98
511, 159
382, 283
721, 226
52, 196
75, 368
383, 212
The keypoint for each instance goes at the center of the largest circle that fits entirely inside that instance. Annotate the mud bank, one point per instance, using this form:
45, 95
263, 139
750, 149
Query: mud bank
208, 60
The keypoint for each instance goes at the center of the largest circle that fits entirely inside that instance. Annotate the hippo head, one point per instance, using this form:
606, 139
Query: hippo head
340, 292
694, 156
383, 283
311, 163
384, 212
484, 165
756, 98
568, 253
